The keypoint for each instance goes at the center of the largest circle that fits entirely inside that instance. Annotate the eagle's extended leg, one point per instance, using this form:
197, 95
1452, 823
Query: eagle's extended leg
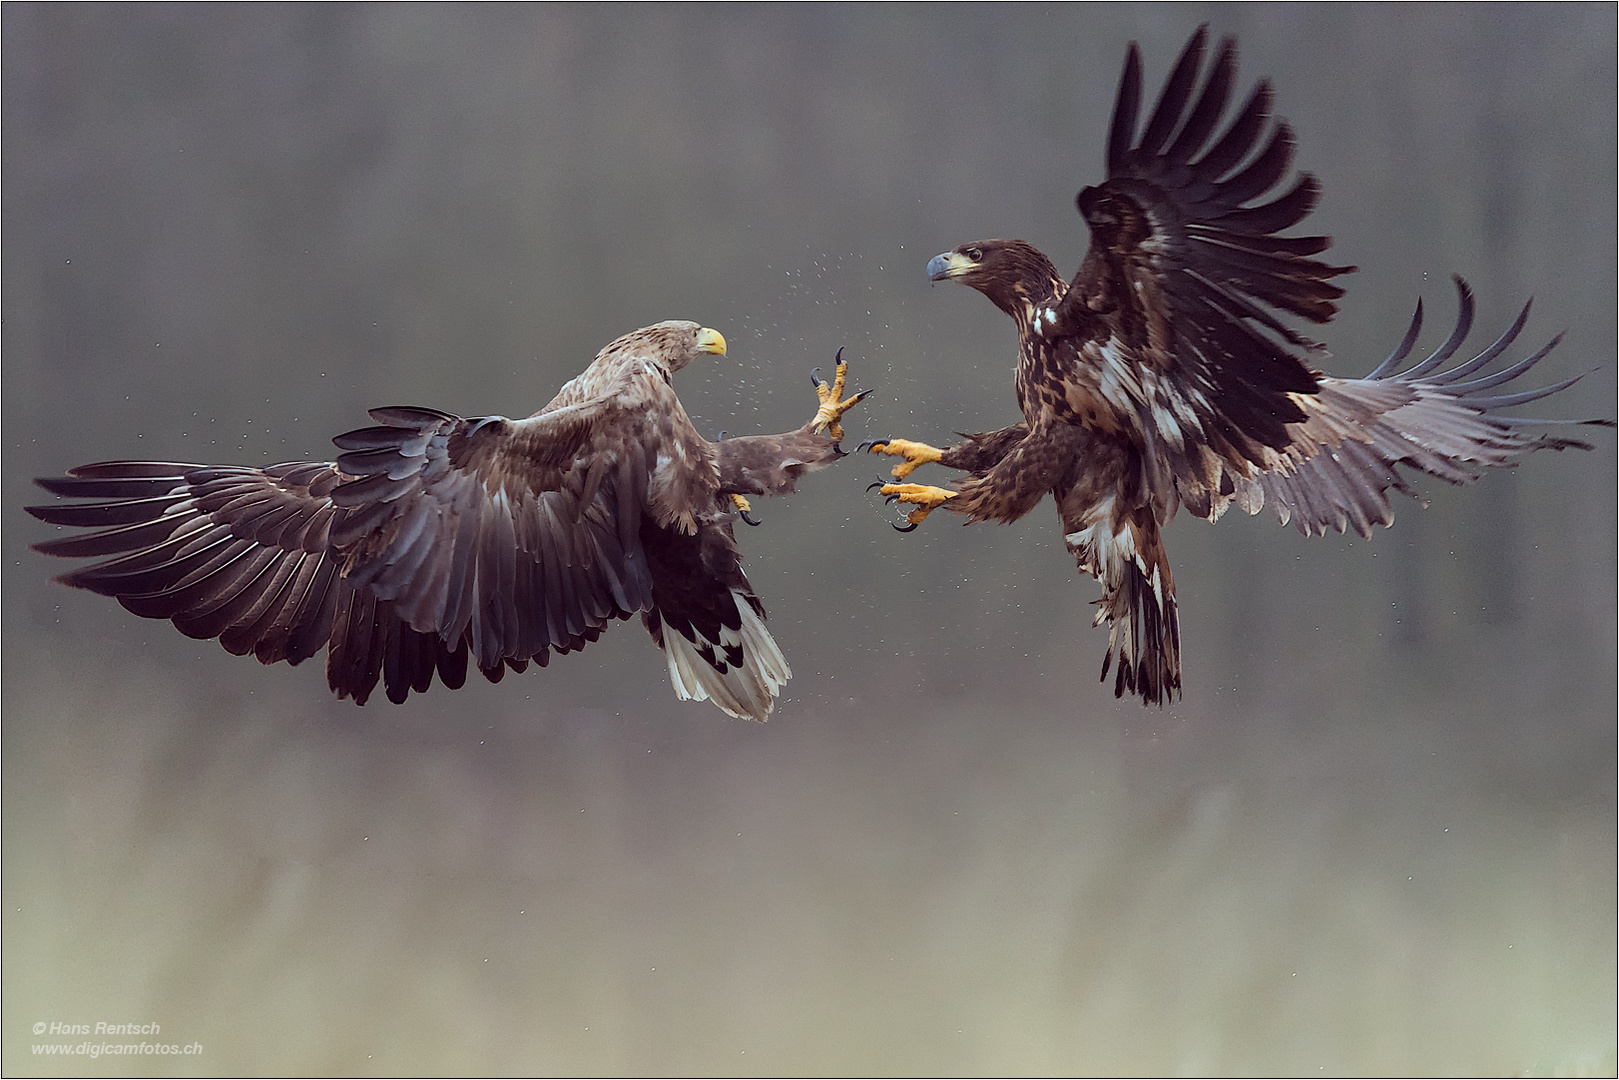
833, 405
924, 497
916, 454
926, 500
1011, 470
772, 464
976, 454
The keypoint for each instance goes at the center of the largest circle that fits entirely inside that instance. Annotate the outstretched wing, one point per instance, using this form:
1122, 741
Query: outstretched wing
1170, 329
1339, 462
517, 534
433, 537
243, 555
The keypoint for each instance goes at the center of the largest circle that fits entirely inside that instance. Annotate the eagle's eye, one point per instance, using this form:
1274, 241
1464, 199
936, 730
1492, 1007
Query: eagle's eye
975, 254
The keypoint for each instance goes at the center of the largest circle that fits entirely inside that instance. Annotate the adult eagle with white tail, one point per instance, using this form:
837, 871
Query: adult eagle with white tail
435, 538
1161, 375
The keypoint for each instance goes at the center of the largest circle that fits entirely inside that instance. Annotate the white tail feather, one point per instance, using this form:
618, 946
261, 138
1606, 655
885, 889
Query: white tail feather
747, 692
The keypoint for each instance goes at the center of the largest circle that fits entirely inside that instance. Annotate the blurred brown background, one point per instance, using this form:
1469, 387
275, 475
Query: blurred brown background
1378, 835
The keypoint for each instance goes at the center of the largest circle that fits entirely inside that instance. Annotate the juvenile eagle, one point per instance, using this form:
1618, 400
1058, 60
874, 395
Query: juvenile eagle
1161, 376
435, 537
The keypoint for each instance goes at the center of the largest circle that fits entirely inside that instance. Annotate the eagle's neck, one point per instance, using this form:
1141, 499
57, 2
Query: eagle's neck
1027, 304
1024, 296
1030, 304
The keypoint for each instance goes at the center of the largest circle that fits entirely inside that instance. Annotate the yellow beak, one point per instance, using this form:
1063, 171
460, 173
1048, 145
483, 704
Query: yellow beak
710, 341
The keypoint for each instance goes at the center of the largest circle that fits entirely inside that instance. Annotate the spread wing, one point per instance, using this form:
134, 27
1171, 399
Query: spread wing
243, 555
518, 535
1170, 329
433, 537
1339, 462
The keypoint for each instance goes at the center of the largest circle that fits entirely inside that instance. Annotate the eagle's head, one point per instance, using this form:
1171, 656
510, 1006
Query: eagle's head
673, 344
1011, 273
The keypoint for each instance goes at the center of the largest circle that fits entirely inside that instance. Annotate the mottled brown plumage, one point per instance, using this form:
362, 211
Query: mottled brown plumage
1163, 375
434, 539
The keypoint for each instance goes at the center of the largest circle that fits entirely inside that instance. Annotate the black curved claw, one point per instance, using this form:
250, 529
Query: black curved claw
721, 438
906, 528
838, 359
869, 443
878, 484
815, 378
749, 520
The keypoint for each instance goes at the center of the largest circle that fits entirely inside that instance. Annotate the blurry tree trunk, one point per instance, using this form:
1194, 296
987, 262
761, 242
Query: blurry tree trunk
1493, 555
1408, 563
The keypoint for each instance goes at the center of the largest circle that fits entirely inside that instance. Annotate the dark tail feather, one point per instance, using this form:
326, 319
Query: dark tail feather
1146, 636
1138, 604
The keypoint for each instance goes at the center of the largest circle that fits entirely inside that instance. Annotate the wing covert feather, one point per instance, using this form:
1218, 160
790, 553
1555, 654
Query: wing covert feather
1170, 329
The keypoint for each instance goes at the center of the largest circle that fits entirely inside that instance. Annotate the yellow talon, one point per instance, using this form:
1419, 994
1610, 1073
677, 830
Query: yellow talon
926, 499
832, 404
916, 454
742, 507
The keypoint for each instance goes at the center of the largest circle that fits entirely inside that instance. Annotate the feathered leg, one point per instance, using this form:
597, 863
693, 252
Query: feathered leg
1012, 470
772, 464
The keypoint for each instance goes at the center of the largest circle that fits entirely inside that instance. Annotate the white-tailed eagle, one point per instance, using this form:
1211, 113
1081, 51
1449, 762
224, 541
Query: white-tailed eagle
435, 539
1161, 375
